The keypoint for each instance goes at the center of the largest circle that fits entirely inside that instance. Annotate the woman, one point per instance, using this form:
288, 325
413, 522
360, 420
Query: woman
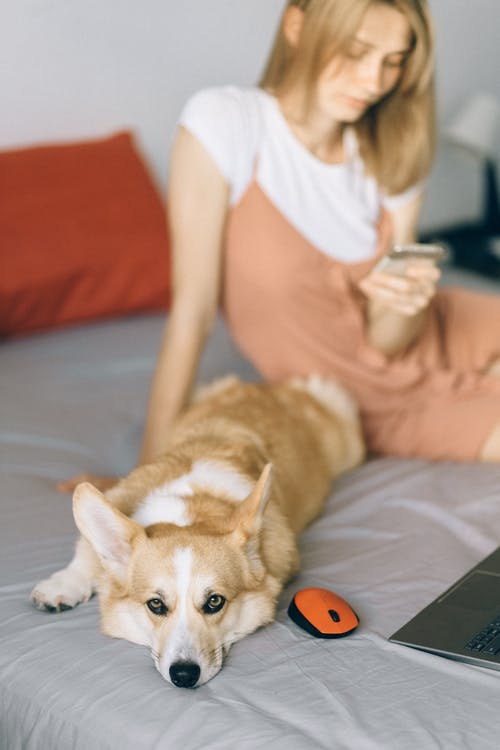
281, 201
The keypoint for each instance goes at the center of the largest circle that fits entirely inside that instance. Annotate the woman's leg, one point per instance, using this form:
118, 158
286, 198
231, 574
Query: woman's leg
467, 330
490, 452
474, 342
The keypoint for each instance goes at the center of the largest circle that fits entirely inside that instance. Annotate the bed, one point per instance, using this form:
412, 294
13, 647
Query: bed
394, 534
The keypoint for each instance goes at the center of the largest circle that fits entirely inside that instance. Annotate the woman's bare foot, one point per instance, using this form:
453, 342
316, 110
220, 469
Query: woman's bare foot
494, 369
490, 452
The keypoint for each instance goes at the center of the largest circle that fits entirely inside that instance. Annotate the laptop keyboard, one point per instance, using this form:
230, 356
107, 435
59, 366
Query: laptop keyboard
486, 640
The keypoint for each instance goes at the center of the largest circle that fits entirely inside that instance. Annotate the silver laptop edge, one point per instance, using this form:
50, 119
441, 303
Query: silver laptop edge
461, 623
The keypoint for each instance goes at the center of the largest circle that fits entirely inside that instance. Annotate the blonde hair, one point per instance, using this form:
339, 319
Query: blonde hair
396, 135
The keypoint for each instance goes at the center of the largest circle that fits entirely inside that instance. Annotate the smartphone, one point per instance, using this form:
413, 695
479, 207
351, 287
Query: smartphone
396, 260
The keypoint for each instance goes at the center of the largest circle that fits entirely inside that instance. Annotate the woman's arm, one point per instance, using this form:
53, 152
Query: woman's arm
198, 199
397, 305
197, 202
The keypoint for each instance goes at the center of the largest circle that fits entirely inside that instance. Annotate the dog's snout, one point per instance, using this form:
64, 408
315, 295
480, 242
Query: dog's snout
184, 674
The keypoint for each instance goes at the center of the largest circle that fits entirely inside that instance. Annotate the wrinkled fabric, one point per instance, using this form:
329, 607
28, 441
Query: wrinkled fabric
394, 534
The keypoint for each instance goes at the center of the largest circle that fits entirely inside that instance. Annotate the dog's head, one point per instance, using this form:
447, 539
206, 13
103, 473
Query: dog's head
188, 593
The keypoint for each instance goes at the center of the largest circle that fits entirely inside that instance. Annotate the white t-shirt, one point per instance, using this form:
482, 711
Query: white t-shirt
336, 207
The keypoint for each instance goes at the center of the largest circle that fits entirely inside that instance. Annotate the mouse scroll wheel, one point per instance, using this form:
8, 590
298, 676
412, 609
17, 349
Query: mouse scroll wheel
334, 615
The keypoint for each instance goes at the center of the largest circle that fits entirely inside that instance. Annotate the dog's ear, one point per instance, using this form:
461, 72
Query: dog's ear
109, 532
248, 514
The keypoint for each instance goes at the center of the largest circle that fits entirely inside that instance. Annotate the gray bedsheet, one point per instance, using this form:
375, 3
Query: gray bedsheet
394, 534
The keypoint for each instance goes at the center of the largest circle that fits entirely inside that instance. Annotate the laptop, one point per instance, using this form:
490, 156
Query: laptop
464, 622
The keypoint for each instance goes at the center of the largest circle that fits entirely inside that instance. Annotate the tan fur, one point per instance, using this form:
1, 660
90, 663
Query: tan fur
243, 550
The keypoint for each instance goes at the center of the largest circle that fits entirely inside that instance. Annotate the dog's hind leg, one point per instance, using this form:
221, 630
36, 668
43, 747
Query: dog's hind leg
70, 586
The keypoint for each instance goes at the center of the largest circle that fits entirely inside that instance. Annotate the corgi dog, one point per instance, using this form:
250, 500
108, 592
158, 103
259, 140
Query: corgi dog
189, 553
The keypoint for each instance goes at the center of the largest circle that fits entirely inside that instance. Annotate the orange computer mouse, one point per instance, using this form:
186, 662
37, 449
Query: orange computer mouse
322, 613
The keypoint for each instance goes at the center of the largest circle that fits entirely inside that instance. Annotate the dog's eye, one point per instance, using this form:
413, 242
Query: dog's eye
157, 607
214, 604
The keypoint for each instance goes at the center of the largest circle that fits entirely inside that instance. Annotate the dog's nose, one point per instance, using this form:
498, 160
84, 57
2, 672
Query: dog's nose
184, 674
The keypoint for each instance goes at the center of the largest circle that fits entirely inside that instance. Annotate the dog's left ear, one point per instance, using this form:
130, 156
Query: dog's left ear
108, 530
248, 515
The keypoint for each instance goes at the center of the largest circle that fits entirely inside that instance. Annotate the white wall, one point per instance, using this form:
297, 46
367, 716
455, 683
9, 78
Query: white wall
467, 35
76, 68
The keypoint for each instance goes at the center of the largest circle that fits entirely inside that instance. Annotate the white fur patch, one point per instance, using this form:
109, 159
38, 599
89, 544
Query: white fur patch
183, 559
328, 392
166, 504
220, 479
180, 641
161, 507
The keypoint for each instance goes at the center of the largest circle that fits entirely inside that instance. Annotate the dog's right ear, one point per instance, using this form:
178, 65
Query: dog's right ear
248, 514
109, 532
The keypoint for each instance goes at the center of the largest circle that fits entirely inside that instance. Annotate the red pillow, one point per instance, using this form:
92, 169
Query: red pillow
83, 235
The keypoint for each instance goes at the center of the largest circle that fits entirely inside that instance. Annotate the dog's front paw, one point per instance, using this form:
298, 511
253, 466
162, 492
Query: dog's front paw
63, 590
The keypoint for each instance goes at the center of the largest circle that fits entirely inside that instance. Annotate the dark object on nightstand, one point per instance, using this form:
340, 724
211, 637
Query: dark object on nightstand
476, 128
476, 246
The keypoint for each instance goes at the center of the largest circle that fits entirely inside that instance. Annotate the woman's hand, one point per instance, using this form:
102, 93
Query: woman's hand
397, 304
99, 482
407, 294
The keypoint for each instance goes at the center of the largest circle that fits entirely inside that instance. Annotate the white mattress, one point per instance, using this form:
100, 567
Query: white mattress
394, 534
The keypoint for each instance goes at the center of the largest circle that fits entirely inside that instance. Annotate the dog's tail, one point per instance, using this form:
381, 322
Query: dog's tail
338, 402
330, 393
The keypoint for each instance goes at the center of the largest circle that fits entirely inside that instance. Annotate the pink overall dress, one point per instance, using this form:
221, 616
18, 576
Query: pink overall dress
293, 310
